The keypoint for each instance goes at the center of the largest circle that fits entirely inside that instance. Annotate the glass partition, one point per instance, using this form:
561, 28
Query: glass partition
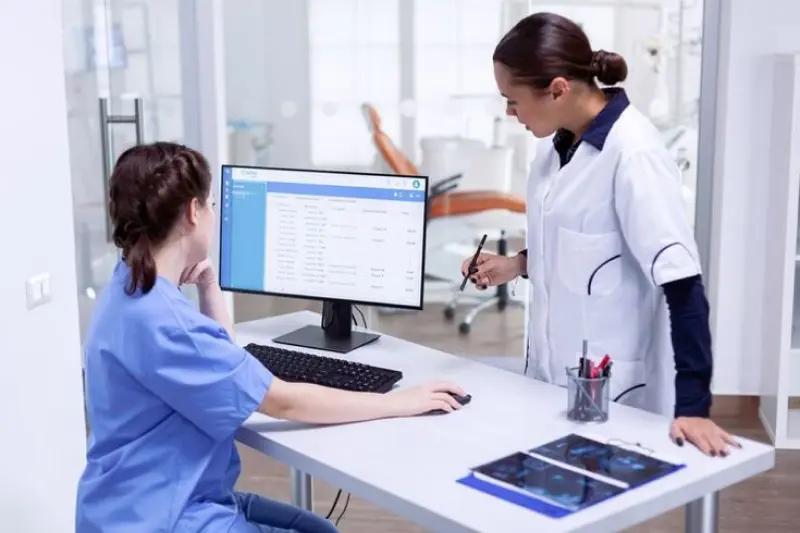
122, 74
300, 73
454, 86
355, 58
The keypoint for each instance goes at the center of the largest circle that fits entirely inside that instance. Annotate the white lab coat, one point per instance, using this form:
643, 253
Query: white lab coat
604, 233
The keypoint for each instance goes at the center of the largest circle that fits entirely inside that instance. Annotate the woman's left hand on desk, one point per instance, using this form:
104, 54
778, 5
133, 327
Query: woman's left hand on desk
703, 433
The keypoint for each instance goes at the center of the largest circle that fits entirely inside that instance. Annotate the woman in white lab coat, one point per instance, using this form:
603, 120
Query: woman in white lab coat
610, 256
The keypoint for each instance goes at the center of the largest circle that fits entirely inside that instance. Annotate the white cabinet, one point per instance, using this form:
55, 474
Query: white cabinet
780, 403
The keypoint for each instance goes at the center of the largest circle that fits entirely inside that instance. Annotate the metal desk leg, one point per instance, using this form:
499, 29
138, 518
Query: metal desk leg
702, 516
302, 493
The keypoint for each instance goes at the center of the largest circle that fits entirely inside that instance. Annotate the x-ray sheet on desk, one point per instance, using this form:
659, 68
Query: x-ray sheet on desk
552, 483
566, 475
627, 466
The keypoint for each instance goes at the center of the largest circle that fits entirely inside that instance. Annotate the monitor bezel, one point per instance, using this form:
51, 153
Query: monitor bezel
426, 180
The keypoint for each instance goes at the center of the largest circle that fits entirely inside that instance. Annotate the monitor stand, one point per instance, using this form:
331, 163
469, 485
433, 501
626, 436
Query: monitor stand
334, 334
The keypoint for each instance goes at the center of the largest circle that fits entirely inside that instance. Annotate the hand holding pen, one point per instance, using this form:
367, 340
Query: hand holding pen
490, 270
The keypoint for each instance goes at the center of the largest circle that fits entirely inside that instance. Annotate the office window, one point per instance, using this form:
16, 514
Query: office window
454, 85
355, 58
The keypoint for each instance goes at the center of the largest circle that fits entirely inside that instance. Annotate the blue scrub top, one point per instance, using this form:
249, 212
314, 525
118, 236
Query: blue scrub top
166, 390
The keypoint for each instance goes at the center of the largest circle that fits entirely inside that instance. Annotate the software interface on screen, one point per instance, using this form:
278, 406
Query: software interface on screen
355, 237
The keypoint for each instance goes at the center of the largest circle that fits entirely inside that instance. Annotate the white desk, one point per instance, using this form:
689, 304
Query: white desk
410, 466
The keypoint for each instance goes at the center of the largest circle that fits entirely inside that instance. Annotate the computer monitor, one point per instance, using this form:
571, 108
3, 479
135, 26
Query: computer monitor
341, 237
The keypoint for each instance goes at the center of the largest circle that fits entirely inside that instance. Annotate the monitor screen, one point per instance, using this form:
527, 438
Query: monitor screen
315, 234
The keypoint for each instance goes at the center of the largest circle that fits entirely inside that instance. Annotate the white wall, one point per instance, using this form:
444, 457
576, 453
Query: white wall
42, 441
752, 31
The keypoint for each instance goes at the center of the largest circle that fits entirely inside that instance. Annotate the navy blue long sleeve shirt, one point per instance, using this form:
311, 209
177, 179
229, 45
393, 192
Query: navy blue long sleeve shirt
691, 341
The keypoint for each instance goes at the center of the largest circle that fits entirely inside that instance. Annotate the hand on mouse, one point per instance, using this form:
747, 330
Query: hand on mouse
425, 398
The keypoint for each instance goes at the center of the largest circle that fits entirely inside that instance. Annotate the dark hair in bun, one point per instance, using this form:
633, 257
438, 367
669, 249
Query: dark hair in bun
609, 68
545, 46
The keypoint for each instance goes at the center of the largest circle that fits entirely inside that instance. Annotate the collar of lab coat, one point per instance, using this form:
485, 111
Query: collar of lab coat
597, 132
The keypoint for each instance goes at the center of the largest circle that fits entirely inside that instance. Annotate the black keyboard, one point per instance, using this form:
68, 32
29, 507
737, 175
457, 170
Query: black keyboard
300, 367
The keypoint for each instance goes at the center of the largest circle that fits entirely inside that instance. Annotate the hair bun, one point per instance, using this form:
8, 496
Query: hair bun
609, 68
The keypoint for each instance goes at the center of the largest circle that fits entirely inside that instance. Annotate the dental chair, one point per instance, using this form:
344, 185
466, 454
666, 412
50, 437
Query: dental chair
446, 202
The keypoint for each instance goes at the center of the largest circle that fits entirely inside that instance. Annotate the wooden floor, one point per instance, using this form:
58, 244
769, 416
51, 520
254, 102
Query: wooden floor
768, 503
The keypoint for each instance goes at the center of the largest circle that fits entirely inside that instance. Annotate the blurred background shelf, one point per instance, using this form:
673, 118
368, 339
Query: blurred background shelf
780, 358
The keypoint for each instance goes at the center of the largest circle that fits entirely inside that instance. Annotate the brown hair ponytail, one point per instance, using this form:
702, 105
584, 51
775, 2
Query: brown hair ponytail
148, 192
143, 266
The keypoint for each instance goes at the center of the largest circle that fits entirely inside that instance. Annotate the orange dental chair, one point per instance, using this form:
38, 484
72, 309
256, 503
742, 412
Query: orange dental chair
445, 201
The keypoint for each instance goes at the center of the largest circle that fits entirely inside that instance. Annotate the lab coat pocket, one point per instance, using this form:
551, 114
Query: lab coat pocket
624, 376
589, 264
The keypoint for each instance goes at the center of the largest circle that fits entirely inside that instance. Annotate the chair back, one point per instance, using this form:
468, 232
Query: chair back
392, 155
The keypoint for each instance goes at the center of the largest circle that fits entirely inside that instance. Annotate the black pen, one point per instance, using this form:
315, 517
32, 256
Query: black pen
582, 362
473, 263
470, 270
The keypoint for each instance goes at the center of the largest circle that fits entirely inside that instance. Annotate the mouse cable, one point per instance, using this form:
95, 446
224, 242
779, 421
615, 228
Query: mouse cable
363, 319
339, 492
626, 391
333, 507
344, 510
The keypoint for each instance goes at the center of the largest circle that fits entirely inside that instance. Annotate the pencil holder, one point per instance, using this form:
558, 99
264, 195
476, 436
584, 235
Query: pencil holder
587, 398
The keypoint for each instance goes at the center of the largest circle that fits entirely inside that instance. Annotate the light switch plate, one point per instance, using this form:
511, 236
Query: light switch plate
37, 290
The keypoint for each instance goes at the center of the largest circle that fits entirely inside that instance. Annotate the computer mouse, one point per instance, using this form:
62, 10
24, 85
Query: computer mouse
463, 400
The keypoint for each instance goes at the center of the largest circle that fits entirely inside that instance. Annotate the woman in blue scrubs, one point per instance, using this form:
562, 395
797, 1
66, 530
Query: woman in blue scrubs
166, 385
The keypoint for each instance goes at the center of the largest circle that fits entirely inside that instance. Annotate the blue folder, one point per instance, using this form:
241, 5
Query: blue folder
512, 496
